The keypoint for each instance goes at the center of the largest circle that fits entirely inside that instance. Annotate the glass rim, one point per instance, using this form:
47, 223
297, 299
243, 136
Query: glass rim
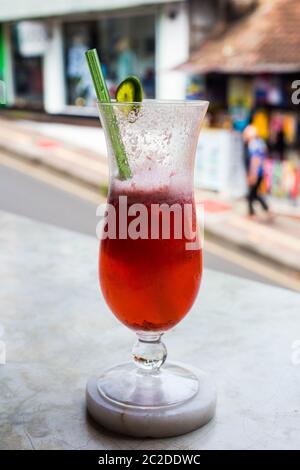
155, 102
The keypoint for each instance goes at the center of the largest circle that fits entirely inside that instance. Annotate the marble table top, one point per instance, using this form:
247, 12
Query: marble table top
57, 332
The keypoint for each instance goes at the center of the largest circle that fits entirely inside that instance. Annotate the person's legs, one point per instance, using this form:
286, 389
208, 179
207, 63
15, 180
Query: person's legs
262, 201
250, 198
258, 196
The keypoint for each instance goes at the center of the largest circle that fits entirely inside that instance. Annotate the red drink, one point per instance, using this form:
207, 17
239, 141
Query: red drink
150, 284
150, 261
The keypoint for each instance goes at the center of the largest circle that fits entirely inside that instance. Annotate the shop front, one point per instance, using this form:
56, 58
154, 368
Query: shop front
246, 72
45, 55
265, 101
29, 43
127, 47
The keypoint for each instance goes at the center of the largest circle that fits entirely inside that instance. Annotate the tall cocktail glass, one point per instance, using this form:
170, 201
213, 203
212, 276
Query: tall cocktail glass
150, 261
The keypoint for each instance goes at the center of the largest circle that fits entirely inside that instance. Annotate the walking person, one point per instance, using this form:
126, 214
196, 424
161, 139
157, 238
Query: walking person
256, 153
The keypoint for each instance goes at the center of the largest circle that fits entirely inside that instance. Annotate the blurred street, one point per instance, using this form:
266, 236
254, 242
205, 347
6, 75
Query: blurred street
50, 202
38, 194
34, 190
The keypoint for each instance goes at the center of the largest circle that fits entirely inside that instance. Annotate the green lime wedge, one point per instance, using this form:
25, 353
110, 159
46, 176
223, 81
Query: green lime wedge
130, 90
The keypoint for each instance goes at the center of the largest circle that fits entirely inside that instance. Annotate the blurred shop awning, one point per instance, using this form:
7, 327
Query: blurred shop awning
267, 40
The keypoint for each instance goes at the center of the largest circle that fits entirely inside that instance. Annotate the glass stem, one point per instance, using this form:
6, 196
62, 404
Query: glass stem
149, 352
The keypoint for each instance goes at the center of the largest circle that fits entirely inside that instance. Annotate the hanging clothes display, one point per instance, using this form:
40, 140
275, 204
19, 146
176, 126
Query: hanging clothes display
240, 100
261, 122
282, 179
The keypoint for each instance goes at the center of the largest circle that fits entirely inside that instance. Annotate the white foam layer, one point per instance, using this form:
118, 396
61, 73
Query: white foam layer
155, 183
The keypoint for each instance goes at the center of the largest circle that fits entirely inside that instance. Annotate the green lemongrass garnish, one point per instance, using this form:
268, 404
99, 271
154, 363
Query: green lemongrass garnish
113, 128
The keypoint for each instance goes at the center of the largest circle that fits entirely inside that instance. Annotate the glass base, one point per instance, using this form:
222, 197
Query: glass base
127, 385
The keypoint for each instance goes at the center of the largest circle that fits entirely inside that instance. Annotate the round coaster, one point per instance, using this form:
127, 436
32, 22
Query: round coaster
154, 422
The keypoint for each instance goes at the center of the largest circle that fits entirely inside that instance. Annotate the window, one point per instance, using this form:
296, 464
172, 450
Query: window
126, 47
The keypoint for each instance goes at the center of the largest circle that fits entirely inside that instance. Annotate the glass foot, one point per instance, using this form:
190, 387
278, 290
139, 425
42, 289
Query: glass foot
128, 385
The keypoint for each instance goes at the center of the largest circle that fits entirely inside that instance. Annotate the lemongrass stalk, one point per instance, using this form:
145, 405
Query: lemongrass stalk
112, 124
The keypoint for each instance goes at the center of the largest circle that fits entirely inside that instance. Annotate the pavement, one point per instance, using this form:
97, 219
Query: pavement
80, 153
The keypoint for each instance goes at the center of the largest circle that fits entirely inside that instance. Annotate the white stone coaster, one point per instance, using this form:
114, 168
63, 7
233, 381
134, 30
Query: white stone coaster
154, 422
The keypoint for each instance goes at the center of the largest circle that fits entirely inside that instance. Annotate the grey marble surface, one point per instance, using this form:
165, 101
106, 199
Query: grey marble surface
58, 332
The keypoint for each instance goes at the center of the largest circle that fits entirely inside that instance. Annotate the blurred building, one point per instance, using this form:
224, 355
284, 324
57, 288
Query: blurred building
241, 55
42, 47
248, 68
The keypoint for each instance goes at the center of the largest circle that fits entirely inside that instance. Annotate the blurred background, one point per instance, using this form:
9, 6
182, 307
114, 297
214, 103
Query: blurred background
241, 55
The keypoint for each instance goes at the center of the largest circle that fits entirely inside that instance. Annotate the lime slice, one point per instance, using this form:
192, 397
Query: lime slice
130, 90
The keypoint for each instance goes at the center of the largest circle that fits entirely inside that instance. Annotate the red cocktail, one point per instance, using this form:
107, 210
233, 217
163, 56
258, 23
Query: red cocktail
150, 261
150, 284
